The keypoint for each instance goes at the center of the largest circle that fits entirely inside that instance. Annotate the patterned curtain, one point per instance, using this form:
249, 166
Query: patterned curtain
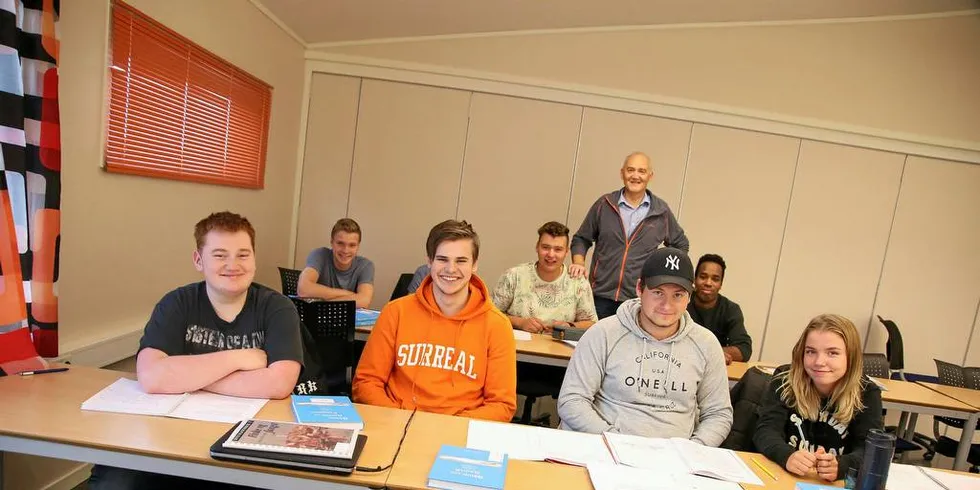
30, 182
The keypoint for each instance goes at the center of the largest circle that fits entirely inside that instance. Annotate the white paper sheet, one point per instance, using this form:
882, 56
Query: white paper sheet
126, 396
952, 481
537, 443
715, 462
645, 452
606, 476
908, 477
521, 335
213, 407
573, 343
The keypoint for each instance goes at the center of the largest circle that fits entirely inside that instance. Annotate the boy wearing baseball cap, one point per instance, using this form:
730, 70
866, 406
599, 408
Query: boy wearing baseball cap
650, 370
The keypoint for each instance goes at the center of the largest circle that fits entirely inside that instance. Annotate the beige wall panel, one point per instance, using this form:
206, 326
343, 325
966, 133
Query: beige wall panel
517, 175
407, 161
735, 202
130, 238
973, 354
327, 158
931, 279
607, 137
839, 218
767, 69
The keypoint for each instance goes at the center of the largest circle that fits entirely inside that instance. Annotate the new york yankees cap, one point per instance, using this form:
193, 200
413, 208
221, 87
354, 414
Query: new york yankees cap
668, 266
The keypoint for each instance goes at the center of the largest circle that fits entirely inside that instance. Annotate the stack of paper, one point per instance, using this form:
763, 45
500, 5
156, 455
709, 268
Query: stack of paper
537, 443
606, 476
126, 396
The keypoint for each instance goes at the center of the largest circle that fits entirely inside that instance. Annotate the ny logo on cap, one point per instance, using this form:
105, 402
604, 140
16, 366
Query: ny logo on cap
673, 262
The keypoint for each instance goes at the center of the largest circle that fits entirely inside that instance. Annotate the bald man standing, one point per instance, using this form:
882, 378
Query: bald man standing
626, 226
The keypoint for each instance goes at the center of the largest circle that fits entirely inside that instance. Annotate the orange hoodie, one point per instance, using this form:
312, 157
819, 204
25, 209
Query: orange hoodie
416, 357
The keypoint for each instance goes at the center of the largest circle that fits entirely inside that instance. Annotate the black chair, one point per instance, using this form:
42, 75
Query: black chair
894, 347
289, 278
876, 366
537, 381
331, 323
401, 287
747, 397
953, 375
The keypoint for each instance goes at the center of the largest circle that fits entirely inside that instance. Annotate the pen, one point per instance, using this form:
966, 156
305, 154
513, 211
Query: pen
763, 468
43, 371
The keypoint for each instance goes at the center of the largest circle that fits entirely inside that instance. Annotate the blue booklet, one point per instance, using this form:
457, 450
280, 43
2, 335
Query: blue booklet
364, 317
467, 469
333, 411
814, 486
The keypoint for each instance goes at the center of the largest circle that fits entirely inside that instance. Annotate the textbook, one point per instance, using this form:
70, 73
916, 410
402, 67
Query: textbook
333, 411
458, 468
291, 438
126, 396
364, 317
286, 460
679, 455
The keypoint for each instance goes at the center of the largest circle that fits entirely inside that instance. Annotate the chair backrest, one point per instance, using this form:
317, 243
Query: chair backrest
894, 348
289, 277
876, 365
401, 287
950, 374
331, 323
746, 398
971, 377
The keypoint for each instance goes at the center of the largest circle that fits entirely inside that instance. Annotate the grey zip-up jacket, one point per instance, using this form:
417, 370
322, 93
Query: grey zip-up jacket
618, 259
620, 379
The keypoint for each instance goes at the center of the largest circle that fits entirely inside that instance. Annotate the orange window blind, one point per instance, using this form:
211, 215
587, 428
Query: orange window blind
179, 112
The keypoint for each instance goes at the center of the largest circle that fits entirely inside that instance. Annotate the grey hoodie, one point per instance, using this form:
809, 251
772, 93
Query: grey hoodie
618, 259
620, 379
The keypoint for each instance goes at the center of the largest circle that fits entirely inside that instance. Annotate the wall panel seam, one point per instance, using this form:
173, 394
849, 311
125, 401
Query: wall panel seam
782, 242
884, 256
353, 146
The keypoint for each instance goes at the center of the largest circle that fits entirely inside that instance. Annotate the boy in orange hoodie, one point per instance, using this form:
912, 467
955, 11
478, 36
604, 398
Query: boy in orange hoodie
445, 349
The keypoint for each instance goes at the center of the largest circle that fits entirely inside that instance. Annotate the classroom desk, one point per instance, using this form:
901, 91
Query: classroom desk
41, 415
541, 349
966, 395
429, 432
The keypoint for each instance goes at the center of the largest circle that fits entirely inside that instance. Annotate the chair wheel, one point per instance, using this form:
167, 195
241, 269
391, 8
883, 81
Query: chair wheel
928, 457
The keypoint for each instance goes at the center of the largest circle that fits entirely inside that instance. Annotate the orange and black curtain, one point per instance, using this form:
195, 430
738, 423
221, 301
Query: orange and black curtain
30, 182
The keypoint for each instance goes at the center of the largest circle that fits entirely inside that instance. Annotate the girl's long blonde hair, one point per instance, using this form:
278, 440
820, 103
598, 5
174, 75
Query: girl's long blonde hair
798, 390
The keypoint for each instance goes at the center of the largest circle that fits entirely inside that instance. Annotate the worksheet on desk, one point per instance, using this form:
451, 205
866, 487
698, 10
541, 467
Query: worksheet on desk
126, 396
605, 476
537, 443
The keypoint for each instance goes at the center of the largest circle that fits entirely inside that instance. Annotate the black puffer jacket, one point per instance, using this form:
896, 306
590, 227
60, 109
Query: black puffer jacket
746, 398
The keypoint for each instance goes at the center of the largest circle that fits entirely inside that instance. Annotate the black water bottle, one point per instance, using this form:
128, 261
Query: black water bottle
879, 448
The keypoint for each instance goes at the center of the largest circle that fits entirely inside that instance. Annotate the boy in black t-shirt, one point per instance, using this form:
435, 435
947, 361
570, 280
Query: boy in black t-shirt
225, 335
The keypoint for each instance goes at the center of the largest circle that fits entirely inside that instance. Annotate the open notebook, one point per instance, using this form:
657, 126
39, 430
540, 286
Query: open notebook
126, 396
663, 456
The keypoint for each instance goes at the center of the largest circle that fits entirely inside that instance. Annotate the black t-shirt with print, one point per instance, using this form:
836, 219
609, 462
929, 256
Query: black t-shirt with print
184, 323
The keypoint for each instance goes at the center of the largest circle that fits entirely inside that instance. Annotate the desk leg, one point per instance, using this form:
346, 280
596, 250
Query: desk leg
1, 470
966, 439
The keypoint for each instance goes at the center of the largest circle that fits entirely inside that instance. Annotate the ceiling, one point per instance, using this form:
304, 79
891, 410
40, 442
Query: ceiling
329, 21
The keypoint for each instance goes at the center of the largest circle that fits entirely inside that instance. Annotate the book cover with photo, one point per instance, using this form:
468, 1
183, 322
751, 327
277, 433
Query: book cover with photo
288, 437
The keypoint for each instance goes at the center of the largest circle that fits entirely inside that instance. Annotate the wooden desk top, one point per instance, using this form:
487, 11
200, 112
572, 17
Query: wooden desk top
737, 369
430, 431
915, 394
48, 407
966, 395
545, 346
